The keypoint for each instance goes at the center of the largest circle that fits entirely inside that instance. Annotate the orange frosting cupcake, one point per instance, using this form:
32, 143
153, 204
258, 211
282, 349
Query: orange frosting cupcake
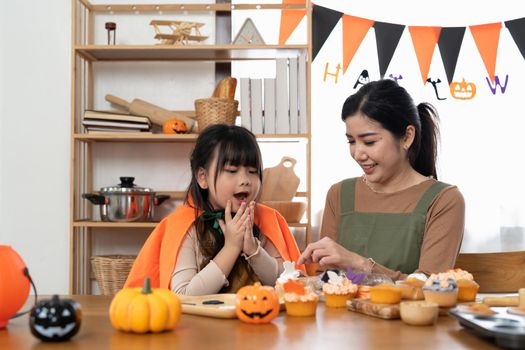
385, 293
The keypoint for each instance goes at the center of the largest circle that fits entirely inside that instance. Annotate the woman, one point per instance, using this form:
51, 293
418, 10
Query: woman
397, 218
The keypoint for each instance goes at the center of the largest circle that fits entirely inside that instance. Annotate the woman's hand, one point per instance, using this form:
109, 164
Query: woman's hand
234, 228
250, 243
328, 253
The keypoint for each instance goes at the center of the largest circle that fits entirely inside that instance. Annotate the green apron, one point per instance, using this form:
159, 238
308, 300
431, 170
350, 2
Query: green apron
391, 239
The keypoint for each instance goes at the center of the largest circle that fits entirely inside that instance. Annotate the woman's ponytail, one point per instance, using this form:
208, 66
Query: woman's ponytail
424, 161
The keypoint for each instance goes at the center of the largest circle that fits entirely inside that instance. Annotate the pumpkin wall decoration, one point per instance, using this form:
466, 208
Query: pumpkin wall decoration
55, 319
142, 310
257, 304
14, 284
462, 90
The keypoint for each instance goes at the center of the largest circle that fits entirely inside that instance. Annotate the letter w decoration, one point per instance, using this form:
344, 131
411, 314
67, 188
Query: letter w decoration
497, 83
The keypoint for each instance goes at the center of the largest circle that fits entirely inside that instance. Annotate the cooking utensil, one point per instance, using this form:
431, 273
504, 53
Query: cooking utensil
280, 182
126, 202
156, 114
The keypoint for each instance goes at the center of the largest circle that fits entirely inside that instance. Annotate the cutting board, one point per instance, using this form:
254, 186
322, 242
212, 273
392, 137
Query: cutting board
365, 306
280, 182
212, 305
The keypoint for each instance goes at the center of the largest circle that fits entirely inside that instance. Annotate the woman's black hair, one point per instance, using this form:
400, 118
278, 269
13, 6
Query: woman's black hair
393, 108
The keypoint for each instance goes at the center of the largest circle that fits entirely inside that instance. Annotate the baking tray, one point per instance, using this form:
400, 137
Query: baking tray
505, 329
212, 305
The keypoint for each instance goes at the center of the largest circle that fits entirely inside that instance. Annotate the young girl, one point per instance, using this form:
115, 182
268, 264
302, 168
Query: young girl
220, 239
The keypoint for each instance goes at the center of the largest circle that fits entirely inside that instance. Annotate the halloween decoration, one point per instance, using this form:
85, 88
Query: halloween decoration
174, 126
55, 319
14, 284
141, 310
257, 304
463, 90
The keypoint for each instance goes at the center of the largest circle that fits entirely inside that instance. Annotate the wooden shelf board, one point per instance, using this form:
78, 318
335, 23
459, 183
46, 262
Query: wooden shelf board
105, 224
87, 223
126, 137
185, 52
222, 7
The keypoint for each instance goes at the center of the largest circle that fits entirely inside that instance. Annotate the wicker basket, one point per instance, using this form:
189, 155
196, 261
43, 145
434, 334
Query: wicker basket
111, 271
215, 110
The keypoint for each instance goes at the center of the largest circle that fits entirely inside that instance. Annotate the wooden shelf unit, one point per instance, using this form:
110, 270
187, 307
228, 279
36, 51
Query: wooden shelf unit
85, 54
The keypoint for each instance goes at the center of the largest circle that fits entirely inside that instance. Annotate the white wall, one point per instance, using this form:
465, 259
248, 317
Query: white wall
481, 142
34, 137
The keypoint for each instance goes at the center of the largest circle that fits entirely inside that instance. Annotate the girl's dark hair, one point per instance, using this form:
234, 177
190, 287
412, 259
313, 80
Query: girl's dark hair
233, 145
393, 108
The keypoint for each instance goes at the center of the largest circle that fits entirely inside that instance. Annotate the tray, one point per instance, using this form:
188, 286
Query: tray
212, 305
506, 330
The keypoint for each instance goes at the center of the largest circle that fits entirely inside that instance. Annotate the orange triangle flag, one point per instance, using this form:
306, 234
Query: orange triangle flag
290, 20
424, 40
354, 31
486, 37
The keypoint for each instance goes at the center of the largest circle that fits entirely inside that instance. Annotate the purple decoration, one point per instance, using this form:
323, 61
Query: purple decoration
355, 277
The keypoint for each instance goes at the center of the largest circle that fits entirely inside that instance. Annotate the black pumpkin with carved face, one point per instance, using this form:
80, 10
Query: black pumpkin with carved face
55, 319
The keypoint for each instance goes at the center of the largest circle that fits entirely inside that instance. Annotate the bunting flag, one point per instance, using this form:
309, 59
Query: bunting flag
516, 28
290, 19
450, 40
354, 31
387, 38
424, 40
323, 22
486, 37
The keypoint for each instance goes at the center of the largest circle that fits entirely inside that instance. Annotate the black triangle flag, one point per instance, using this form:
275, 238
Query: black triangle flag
323, 22
387, 38
449, 44
517, 30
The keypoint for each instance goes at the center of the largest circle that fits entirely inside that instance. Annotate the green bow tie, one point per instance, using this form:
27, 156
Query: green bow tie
213, 216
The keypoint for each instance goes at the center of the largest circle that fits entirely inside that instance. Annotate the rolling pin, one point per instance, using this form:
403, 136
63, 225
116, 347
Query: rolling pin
156, 114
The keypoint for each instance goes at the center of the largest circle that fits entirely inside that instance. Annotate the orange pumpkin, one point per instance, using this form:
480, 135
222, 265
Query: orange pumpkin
14, 284
174, 126
257, 304
463, 90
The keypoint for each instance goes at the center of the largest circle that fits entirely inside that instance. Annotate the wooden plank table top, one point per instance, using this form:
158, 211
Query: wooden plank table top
330, 329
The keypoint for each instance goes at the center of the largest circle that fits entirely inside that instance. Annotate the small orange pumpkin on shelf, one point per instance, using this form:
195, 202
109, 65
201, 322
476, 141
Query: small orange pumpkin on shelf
257, 304
174, 126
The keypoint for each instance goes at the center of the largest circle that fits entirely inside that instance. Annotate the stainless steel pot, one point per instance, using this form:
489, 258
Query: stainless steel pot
126, 202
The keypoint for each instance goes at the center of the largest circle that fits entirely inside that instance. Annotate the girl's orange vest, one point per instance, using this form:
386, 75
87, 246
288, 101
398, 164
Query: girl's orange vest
158, 256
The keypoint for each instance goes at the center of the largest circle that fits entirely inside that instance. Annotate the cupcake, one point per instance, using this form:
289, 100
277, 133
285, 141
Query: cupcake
289, 273
299, 301
385, 293
441, 289
467, 287
413, 286
338, 290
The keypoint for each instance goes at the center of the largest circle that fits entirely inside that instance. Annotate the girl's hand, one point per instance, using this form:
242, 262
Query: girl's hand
328, 253
250, 243
233, 229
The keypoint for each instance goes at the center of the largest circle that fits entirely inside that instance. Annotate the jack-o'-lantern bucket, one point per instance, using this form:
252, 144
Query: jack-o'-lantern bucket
14, 284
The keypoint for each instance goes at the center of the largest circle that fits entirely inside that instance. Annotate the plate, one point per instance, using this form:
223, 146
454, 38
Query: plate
212, 305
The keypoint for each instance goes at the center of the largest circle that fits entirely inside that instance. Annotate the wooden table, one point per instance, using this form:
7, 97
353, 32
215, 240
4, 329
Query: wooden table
330, 329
